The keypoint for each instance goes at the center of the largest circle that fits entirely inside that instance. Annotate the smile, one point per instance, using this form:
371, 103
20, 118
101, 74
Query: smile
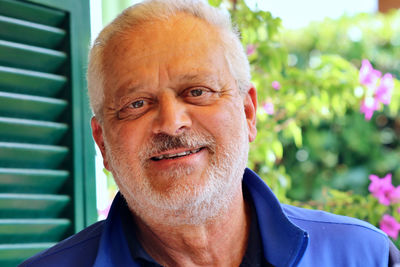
176, 155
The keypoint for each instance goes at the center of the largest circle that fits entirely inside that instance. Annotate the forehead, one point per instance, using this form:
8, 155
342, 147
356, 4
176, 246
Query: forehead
181, 45
164, 34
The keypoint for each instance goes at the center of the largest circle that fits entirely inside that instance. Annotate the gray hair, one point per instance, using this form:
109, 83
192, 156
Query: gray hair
150, 10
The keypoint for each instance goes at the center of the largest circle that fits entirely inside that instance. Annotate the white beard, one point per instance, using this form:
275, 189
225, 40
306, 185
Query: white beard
184, 203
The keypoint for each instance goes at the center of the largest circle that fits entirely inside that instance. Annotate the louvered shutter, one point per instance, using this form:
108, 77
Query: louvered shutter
46, 152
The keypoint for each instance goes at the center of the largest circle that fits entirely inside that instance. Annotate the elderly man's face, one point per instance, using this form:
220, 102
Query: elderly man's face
176, 129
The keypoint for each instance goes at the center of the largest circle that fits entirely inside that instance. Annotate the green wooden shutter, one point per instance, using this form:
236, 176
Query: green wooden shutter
47, 187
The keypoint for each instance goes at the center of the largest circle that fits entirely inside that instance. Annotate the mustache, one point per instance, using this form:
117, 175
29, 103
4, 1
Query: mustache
161, 142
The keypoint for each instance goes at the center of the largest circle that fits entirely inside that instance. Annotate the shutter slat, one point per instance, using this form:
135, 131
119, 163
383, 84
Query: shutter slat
12, 254
34, 13
15, 155
32, 205
38, 181
31, 131
26, 32
30, 82
32, 230
30, 57
30, 107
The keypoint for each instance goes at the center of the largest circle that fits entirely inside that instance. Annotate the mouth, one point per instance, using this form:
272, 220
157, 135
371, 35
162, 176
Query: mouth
176, 155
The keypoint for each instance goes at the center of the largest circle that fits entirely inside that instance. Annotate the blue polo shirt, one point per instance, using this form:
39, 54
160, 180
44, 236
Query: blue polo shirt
290, 236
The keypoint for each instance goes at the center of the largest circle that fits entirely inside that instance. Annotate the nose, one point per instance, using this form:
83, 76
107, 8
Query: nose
172, 118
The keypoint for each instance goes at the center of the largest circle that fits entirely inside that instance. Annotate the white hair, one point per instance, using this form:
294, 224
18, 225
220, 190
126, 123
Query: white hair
151, 10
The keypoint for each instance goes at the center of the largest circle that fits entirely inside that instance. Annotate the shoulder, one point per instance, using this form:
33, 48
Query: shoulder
77, 250
318, 218
340, 239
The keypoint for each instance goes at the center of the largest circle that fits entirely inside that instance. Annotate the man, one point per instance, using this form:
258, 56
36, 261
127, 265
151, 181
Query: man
174, 112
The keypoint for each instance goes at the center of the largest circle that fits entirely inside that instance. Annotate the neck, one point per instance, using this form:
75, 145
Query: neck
221, 241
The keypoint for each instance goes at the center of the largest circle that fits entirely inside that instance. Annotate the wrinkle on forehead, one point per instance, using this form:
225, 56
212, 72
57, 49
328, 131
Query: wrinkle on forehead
162, 34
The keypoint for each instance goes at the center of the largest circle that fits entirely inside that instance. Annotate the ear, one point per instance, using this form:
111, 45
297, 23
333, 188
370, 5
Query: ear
97, 132
250, 108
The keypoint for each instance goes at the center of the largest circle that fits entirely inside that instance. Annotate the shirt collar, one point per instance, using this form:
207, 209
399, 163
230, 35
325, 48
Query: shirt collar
113, 248
283, 242
130, 231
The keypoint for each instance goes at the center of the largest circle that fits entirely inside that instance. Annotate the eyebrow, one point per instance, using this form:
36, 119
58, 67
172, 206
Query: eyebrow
189, 77
129, 87
123, 91
201, 76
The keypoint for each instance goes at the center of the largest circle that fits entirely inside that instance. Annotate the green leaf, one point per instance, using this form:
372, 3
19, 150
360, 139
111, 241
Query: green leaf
295, 130
277, 148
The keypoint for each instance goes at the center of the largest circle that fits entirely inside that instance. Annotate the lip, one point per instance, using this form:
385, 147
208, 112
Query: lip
176, 153
193, 159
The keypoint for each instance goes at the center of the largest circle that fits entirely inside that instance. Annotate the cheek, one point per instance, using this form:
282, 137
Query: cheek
124, 138
222, 121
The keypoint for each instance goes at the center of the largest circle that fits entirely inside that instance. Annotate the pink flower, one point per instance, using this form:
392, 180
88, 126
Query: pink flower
384, 91
382, 188
390, 226
276, 85
368, 76
269, 108
250, 49
368, 106
394, 195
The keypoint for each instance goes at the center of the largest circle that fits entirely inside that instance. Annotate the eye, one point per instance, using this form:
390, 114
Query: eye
196, 92
199, 95
137, 104
135, 109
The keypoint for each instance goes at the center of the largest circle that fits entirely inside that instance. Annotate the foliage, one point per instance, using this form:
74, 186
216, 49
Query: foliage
376, 37
361, 147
